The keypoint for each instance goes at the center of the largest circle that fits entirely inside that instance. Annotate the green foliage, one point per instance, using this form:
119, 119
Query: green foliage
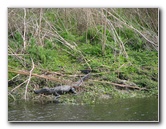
141, 67
32, 41
16, 42
144, 57
18, 37
48, 44
50, 16
68, 36
92, 50
93, 36
132, 40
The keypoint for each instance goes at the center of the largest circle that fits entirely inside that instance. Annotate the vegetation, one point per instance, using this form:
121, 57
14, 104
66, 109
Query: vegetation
49, 47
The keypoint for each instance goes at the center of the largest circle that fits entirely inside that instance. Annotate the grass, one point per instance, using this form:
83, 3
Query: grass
117, 44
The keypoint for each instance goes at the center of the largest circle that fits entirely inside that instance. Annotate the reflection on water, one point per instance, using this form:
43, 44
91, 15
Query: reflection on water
145, 109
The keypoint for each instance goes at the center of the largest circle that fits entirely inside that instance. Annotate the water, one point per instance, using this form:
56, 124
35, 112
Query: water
144, 109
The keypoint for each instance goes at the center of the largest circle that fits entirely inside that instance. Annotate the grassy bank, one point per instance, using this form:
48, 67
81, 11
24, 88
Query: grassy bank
49, 47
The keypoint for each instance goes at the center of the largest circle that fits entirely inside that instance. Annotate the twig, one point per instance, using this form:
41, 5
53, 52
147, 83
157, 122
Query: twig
14, 77
12, 96
62, 40
117, 70
18, 86
16, 56
30, 74
85, 59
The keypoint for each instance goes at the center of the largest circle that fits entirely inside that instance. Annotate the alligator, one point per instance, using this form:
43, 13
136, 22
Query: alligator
59, 90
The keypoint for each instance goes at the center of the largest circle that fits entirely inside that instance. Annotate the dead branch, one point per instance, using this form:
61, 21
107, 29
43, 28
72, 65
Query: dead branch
59, 37
14, 77
40, 27
114, 32
20, 59
18, 86
12, 96
120, 85
131, 27
24, 38
30, 74
85, 59
23, 72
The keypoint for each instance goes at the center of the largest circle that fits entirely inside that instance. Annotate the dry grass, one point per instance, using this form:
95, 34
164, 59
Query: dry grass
37, 22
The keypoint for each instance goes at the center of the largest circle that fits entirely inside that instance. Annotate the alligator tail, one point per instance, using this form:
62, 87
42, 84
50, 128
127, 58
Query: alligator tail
79, 82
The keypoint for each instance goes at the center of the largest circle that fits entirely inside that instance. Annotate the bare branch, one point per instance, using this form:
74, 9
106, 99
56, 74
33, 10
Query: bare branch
40, 27
30, 74
14, 77
18, 86
136, 30
24, 38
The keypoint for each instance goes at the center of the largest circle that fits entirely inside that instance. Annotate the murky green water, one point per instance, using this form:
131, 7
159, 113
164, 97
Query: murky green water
145, 109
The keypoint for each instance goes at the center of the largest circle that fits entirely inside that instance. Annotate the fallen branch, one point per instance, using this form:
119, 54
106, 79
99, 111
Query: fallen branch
23, 72
120, 85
